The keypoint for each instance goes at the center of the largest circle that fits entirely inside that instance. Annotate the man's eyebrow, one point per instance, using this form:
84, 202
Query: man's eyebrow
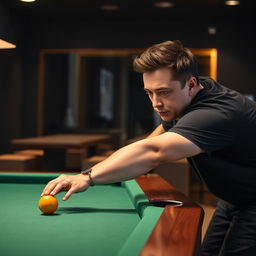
160, 89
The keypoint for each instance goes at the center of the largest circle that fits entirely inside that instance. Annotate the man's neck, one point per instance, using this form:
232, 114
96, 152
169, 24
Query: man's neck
199, 88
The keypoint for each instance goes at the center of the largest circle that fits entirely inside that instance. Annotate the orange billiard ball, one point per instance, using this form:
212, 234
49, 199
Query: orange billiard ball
48, 204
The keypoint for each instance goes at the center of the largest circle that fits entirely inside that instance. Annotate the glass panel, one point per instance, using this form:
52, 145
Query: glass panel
100, 78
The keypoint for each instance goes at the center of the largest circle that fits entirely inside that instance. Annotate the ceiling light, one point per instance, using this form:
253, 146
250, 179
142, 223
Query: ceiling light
6, 45
28, 1
163, 4
232, 2
212, 30
109, 7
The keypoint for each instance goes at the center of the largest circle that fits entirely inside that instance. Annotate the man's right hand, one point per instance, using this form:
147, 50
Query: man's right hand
70, 183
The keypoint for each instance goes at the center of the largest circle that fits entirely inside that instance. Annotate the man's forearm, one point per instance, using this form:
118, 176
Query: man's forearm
140, 157
128, 162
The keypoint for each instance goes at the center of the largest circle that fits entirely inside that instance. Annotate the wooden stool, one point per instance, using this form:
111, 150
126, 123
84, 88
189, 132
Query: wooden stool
15, 162
37, 153
74, 158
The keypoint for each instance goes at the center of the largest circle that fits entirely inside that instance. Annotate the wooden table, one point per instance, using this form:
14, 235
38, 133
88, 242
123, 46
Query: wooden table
55, 146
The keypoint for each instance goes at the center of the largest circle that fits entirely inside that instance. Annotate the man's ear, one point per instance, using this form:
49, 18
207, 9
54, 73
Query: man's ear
192, 84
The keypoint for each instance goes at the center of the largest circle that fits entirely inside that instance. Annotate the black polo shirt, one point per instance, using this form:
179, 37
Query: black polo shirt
222, 122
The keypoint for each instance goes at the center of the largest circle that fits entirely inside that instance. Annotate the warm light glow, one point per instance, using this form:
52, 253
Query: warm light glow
28, 1
109, 7
232, 3
164, 4
6, 45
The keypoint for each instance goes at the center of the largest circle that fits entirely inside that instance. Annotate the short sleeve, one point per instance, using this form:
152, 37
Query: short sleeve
209, 129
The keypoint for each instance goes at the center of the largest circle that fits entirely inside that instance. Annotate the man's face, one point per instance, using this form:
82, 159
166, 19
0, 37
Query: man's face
168, 98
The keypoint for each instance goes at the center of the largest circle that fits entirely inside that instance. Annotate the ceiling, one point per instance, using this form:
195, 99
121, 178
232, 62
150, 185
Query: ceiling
90, 10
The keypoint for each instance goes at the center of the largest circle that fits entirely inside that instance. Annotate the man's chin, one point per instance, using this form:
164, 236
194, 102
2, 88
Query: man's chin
166, 119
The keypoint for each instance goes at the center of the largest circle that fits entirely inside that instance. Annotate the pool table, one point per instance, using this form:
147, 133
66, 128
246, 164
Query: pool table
145, 216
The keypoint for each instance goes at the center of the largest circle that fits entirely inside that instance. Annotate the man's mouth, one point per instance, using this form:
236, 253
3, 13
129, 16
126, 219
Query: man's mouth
162, 113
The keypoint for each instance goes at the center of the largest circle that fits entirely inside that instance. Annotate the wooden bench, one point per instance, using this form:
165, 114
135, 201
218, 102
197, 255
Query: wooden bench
16, 162
37, 153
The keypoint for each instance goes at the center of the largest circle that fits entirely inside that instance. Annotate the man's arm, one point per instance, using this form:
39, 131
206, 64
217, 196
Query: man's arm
128, 162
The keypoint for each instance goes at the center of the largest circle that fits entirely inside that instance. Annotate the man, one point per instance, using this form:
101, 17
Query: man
214, 128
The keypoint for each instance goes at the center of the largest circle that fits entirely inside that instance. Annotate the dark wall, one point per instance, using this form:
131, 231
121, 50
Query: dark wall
11, 81
8, 25
236, 55
234, 41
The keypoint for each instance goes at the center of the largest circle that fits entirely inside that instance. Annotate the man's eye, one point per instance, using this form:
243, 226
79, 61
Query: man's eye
164, 92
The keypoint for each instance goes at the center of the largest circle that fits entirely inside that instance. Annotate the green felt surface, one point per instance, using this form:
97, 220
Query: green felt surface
97, 222
141, 232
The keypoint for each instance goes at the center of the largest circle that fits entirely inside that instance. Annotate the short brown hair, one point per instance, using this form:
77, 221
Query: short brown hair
171, 54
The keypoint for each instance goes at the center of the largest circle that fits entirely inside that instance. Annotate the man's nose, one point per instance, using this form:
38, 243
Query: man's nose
156, 101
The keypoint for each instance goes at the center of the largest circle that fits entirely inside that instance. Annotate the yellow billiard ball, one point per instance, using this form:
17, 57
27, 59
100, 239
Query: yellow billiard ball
48, 204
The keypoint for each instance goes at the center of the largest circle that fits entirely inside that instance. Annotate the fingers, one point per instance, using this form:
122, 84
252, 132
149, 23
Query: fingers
61, 186
57, 185
49, 187
72, 184
69, 193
